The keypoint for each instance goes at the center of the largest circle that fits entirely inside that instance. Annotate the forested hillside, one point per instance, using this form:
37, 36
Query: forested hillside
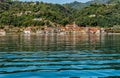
15, 13
78, 5
105, 13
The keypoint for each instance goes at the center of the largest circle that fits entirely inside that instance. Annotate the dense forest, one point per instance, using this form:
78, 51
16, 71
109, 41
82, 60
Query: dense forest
104, 13
15, 13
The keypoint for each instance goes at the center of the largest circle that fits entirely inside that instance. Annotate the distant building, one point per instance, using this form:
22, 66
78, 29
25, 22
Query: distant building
71, 27
92, 16
27, 31
2, 32
94, 30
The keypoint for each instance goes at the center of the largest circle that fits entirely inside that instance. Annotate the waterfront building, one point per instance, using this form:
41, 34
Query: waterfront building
27, 30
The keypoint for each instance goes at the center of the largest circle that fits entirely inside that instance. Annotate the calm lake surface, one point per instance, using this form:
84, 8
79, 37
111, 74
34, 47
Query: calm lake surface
59, 56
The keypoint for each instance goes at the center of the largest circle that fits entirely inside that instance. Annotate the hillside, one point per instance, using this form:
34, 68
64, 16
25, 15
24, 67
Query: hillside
76, 5
15, 13
79, 5
22, 14
114, 2
105, 15
99, 1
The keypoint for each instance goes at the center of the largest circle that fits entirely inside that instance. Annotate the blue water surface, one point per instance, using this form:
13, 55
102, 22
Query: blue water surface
60, 56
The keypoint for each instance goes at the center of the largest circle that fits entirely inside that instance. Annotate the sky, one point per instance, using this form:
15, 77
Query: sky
58, 1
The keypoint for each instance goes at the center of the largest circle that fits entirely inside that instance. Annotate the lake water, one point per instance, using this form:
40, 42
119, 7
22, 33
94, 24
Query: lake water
60, 56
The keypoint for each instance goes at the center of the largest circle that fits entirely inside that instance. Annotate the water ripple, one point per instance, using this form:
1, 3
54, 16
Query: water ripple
62, 57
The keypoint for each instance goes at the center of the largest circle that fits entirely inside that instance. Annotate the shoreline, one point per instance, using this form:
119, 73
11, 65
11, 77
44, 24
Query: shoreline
67, 30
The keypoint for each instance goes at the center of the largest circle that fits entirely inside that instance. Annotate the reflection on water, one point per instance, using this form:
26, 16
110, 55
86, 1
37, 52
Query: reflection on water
59, 56
48, 43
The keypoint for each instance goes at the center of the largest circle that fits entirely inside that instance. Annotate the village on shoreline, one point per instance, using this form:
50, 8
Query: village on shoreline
61, 30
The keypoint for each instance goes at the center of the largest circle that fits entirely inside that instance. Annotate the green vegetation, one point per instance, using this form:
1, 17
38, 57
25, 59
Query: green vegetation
105, 13
79, 5
16, 13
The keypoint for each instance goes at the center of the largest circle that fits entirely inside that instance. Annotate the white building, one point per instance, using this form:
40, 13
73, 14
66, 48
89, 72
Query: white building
27, 31
2, 32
